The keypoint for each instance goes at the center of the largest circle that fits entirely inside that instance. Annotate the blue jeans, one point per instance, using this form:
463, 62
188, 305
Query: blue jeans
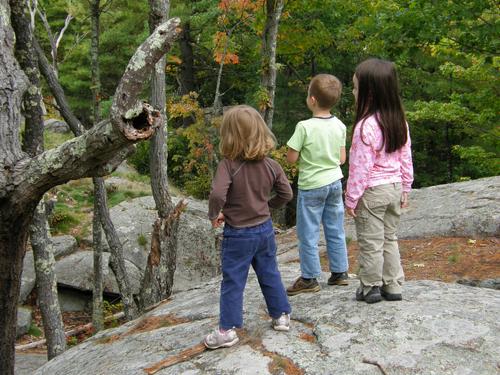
242, 247
316, 206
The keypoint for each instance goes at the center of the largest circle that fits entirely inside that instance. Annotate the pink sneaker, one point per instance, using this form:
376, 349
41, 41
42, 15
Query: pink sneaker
218, 339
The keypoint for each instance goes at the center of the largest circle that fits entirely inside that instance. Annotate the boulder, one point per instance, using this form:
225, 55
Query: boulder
77, 271
438, 328
27, 363
56, 126
462, 209
64, 245
23, 320
198, 257
28, 277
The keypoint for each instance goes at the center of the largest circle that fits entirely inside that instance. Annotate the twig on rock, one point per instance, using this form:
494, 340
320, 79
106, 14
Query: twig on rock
183, 356
371, 362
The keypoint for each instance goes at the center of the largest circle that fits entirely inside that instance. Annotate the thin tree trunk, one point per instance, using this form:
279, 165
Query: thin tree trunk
187, 56
217, 106
116, 260
46, 283
274, 9
39, 230
187, 83
24, 179
97, 300
158, 277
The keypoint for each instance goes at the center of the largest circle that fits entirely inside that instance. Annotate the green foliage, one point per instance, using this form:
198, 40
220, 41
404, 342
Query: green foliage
192, 155
33, 330
140, 158
446, 53
142, 240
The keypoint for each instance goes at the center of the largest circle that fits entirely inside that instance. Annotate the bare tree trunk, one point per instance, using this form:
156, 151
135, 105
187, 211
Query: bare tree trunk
274, 9
217, 106
46, 282
97, 286
97, 300
158, 278
117, 260
187, 56
24, 179
187, 83
39, 230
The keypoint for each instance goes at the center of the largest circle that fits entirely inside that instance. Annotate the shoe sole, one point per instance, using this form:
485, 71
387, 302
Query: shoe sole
225, 345
360, 297
373, 300
311, 290
281, 328
339, 282
391, 296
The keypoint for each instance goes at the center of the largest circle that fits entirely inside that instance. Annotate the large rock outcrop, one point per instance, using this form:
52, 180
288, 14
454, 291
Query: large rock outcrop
198, 256
461, 209
438, 329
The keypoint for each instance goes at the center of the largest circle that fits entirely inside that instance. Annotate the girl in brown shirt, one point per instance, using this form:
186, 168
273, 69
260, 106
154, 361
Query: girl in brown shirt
240, 198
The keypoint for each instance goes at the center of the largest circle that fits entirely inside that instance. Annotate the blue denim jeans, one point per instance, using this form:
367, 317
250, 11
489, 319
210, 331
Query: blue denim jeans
242, 247
316, 206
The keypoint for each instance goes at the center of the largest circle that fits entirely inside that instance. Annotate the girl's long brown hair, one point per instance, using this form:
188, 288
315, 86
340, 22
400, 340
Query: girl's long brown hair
245, 135
378, 94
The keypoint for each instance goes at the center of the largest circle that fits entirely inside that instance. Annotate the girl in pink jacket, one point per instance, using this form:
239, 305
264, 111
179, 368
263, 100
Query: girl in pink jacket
380, 178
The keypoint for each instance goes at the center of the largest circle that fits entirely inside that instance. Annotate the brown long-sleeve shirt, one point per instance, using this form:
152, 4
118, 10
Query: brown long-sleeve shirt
242, 190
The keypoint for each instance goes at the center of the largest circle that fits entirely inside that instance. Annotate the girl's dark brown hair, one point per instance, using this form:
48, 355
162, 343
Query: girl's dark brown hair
378, 94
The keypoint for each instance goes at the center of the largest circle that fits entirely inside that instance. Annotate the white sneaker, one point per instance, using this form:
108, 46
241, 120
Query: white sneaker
282, 323
218, 339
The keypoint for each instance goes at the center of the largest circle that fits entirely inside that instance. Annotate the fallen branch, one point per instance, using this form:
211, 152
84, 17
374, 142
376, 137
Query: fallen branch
71, 332
175, 359
371, 362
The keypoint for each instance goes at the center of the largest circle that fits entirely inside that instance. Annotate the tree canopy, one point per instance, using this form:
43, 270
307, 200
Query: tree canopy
447, 54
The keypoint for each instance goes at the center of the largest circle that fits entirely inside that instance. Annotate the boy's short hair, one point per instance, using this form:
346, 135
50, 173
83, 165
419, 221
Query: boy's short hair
245, 135
326, 89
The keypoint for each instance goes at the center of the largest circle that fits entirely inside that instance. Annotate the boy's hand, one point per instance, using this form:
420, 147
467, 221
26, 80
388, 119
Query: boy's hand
350, 212
404, 200
218, 221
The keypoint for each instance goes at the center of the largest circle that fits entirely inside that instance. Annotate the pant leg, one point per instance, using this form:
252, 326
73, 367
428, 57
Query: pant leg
369, 220
266, 268
310, 205
392, 274
333, 225
237, 254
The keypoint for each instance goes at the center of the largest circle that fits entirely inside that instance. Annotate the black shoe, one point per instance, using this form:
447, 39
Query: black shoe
338, 278
391, 296
373, 296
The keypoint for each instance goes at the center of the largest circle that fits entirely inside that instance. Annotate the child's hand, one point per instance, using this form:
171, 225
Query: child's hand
218, 221
404, 200
350, 212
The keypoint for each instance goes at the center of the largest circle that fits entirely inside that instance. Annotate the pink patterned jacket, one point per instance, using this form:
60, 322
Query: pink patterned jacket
369, 165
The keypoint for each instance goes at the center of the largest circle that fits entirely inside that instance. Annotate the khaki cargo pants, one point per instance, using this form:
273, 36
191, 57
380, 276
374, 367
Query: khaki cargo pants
377, 219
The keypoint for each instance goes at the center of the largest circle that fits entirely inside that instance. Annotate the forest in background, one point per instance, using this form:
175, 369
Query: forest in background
447, 54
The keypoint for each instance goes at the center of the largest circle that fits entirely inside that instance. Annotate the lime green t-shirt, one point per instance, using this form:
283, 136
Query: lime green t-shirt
319, 141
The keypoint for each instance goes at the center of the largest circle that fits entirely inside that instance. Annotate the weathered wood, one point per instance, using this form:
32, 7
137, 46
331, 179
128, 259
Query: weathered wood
183, 356
158, 279
97, 285
46, 283
116, 260
24, 179
41, 244
69, 333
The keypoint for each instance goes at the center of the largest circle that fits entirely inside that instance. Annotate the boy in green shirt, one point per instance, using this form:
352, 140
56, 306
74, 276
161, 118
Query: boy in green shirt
319, 145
